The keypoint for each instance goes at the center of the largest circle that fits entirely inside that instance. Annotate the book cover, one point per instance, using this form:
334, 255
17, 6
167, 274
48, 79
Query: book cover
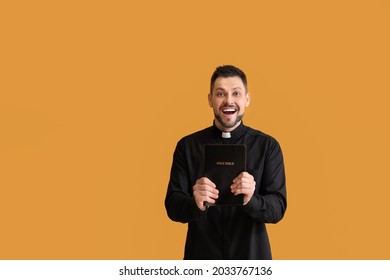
222, 164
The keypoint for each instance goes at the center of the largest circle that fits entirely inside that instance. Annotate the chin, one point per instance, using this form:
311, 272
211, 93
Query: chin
230, 123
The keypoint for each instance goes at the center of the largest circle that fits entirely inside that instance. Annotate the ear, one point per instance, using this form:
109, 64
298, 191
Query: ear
210, 97
248, 99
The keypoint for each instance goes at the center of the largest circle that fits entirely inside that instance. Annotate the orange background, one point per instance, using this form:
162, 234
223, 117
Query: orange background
95, 95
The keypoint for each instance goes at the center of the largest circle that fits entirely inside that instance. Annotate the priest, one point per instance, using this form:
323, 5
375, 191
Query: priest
227, 232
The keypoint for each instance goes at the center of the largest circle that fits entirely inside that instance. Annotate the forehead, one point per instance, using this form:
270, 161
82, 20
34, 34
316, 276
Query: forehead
228, 83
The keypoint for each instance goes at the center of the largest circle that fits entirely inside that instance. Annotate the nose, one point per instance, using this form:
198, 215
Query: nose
229, 99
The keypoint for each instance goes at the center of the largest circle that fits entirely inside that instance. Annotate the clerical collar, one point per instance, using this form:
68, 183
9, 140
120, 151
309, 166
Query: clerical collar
226, 135
236, 133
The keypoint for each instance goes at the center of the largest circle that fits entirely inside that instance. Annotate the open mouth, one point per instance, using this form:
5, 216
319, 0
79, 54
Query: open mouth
229, 111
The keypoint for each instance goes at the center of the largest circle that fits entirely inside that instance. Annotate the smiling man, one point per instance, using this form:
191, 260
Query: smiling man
228, 98
227, 232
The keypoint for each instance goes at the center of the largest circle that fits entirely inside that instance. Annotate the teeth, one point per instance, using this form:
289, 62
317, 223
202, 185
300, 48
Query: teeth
229, 110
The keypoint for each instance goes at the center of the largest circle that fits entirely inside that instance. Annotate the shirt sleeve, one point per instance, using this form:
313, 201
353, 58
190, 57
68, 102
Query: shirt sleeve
269, 201
179, 201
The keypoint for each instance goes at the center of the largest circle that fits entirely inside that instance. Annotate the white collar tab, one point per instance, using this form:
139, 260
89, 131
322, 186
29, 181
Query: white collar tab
226, 135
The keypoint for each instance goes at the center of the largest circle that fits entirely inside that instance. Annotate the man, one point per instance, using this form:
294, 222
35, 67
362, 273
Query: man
227, 232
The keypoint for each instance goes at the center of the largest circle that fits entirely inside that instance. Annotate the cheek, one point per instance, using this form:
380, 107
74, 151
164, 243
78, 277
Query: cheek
244, 104
215, 105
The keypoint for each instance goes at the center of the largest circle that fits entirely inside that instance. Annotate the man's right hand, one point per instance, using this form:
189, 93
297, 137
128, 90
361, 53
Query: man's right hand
204, 191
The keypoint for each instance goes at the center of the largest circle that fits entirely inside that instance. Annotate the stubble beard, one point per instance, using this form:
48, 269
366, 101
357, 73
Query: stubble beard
228, 125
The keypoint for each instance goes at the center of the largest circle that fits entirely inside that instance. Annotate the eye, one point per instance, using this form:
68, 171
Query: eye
236, 93
220, 93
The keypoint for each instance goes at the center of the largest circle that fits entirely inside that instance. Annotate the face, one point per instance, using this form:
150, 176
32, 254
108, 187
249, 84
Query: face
228, 99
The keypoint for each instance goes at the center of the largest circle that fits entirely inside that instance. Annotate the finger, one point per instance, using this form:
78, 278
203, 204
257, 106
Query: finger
200, 201
242, 191
243, 175
240, 184
205, 194
243, 188
248, 185
246, 192
209, 200
205, 188
245, 182
249, 182
205, 181
234, 186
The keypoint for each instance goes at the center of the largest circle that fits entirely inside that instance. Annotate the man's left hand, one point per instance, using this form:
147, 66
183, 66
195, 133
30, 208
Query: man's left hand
244, 184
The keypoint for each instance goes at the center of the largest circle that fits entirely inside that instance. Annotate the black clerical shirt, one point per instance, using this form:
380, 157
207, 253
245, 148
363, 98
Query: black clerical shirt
228, 232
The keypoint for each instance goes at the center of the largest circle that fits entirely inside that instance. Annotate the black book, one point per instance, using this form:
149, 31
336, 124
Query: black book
222, 164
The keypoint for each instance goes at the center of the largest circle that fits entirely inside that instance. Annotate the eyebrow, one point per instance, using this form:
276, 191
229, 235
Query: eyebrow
235, 88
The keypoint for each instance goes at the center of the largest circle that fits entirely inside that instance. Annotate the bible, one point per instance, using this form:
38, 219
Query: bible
223, 163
